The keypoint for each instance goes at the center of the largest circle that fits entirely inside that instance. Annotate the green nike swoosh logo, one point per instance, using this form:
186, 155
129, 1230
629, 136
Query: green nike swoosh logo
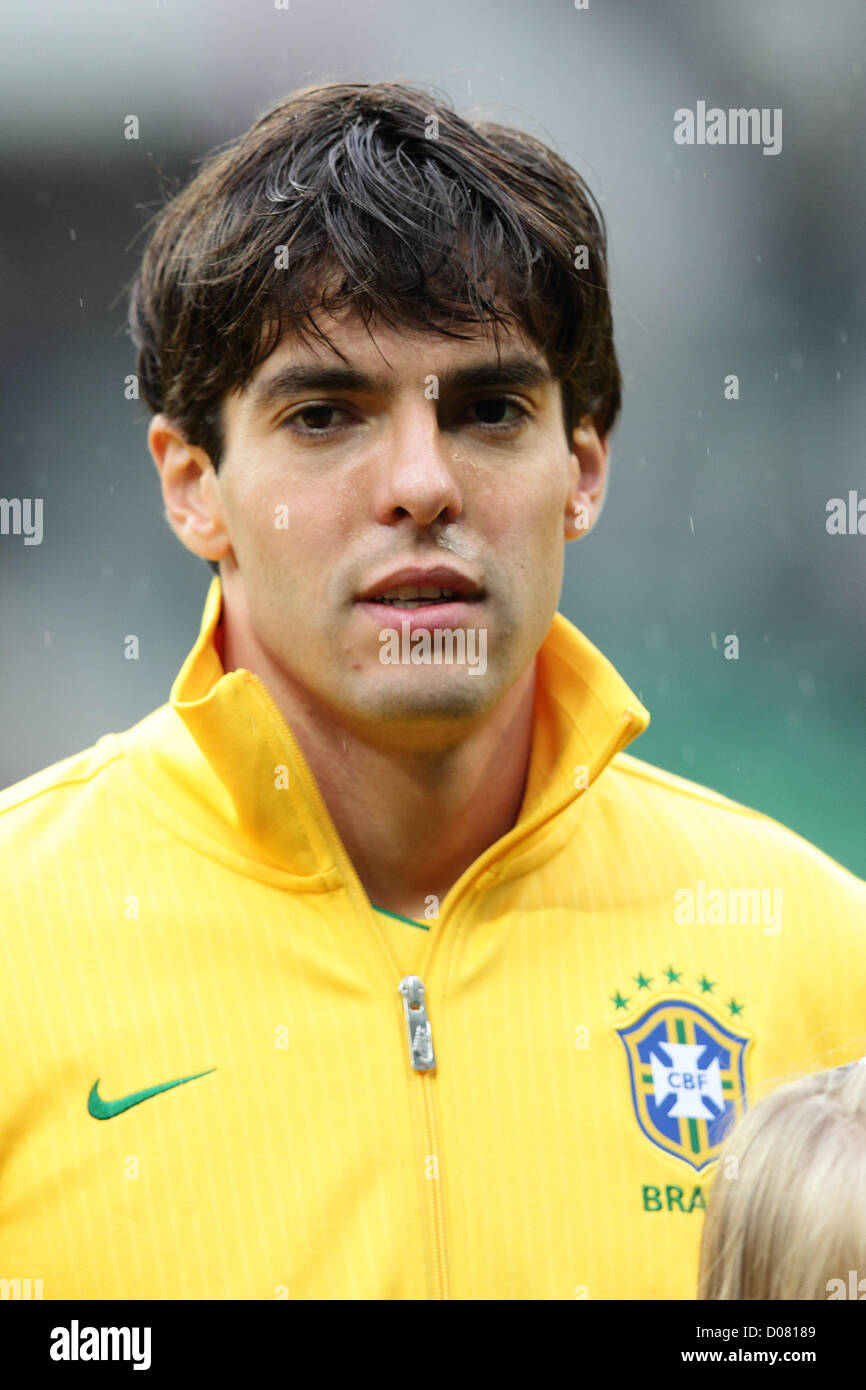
104, 1109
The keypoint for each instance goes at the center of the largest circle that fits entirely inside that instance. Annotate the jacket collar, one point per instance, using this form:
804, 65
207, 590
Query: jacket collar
226, 761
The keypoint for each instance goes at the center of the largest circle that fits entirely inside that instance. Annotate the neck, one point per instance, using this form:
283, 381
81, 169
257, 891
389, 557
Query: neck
411, 820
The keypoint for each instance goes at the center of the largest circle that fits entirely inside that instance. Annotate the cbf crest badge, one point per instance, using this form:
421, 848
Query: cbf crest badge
687, 1076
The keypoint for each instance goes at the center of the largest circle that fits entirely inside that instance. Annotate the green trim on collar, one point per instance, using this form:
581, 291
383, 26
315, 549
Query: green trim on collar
400, 918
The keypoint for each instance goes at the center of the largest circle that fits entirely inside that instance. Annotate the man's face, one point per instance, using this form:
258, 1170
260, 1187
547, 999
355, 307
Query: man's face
427, 456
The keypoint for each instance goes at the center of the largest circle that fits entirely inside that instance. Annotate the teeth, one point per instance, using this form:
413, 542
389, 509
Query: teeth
405, 602
413, 597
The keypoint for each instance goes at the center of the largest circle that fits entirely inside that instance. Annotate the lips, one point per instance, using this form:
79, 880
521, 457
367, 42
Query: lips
416, 587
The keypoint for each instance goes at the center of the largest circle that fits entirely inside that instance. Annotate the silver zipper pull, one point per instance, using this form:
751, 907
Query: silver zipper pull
420, 1033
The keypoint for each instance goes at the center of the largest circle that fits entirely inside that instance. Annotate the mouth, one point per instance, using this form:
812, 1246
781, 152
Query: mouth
420, 587
408, 597
416, 598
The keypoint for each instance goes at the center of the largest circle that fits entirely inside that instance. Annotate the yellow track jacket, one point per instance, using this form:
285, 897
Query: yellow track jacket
226, 1075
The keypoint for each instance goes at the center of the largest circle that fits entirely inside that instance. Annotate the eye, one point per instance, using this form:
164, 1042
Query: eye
316, 419
491, 410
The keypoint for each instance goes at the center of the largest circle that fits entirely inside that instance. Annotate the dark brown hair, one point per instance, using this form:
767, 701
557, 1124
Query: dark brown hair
384, 199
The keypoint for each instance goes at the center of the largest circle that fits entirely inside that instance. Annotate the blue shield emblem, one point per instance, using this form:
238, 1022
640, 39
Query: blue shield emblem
687, 1079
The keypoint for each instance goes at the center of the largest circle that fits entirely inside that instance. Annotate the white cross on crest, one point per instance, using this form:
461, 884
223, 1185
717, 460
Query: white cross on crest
687, 1081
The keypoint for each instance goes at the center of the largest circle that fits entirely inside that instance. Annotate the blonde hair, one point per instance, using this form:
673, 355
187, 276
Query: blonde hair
787, 1210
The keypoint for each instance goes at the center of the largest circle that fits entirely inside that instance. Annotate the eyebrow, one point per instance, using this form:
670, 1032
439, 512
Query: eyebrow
516, 369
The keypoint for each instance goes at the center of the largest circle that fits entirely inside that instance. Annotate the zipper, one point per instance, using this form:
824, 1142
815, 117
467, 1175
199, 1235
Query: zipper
419, 1033
421, 1054
422, 1059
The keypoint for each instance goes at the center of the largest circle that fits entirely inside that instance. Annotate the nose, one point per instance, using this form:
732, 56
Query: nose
415, 472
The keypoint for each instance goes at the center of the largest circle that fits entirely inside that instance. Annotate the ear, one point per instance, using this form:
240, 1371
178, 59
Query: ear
190, 491
589, 453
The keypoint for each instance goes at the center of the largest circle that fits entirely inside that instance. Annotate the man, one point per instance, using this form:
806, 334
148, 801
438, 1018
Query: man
370, 966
